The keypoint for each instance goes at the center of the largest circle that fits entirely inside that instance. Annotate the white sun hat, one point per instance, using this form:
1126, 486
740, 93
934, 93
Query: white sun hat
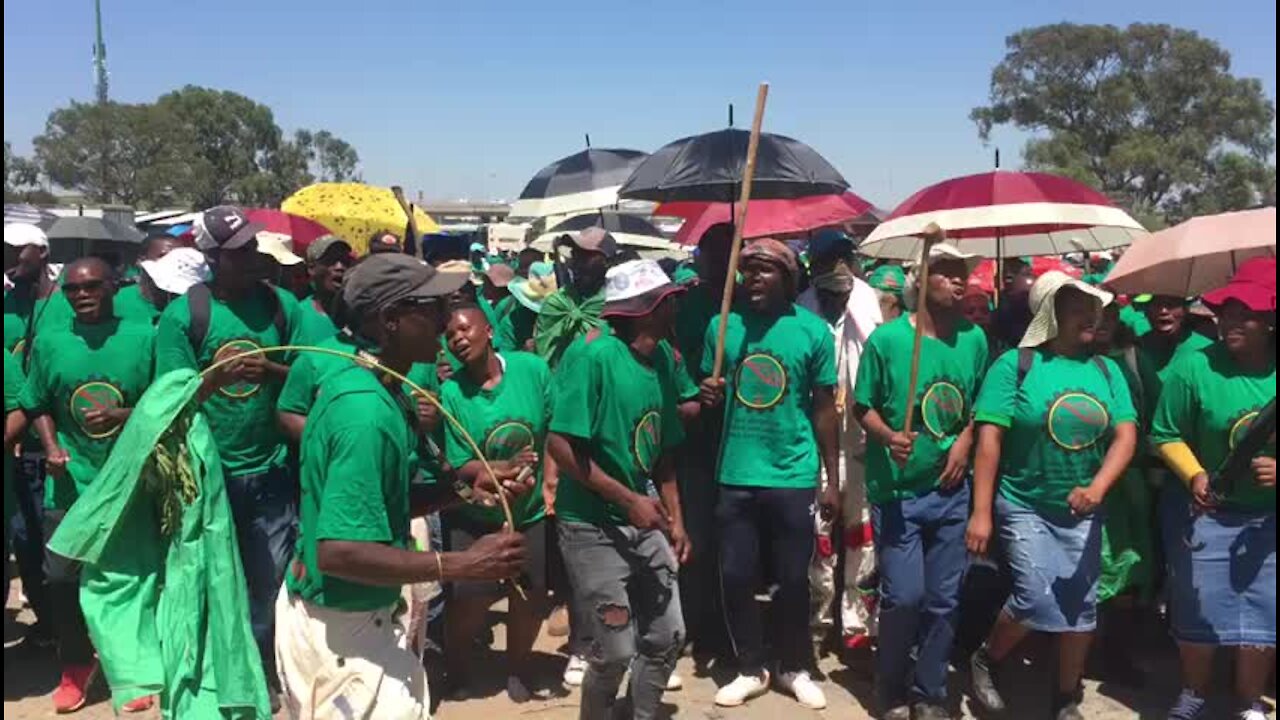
178, 270
22, 235
1044, 322
277, 247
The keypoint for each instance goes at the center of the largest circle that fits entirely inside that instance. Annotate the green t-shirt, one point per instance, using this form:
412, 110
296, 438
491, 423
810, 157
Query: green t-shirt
242, 416
14, 379
355, 485
131, 306
1155, 359
1058, 424
514, 325
502, 420
951, 372
625, 408
47, 314
86, 367
314, 326
771, 366
698, 309
1209, 402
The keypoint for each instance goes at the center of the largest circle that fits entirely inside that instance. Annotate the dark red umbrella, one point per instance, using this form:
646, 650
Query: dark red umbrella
768, 217
300, 231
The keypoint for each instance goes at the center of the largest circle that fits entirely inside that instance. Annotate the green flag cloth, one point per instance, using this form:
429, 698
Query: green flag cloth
168, 614
564, 319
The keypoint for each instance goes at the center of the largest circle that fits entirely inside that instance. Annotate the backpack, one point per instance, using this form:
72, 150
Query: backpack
1027, 357
200, 304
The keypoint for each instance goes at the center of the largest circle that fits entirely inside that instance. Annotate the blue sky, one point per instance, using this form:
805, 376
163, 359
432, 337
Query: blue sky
468, 98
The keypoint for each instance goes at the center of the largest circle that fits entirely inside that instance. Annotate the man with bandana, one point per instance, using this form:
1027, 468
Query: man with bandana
852, 311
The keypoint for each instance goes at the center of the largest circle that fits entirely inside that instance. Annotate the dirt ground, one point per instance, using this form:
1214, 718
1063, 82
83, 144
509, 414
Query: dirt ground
30, 674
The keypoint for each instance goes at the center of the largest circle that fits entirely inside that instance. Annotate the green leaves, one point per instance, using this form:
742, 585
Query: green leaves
1149, 114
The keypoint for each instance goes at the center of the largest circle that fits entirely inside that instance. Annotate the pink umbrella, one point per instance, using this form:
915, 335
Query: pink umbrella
1197, 256
768, 217
299, 231
1005, 214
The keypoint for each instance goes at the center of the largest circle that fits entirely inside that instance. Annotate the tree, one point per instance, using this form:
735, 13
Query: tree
114, 153
1149, 114
19, 172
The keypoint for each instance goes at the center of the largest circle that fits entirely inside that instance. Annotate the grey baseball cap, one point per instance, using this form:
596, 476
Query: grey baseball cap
388, 278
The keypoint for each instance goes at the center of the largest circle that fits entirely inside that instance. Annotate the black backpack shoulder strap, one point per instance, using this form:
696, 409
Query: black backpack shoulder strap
200, 305
1026, 358
1101, 362
277, 313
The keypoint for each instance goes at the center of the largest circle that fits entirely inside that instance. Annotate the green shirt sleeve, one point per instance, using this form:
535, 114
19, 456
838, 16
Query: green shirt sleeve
577, 393
999, 392
299, 386
173, 348
36, 391
456, 450
1175, 410
14, 380
352, 505
869, 389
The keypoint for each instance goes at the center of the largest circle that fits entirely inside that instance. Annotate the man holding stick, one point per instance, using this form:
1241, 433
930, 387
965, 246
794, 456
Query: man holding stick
781, 367
916, 481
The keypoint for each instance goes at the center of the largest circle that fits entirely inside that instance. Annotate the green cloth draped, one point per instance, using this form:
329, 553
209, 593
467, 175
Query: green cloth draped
167, 615
564, 319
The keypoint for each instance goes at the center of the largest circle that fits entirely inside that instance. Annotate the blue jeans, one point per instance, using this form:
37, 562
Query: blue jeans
27, 531
265, 509
922, 557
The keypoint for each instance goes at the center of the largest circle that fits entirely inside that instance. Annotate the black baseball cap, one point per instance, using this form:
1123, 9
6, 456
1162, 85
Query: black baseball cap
225, 227
593, 239
388, 278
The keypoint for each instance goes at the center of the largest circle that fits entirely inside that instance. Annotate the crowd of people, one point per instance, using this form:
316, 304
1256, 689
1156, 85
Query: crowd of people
580, 437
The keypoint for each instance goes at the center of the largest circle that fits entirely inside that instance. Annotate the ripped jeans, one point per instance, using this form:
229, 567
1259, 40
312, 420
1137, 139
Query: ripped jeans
624, 581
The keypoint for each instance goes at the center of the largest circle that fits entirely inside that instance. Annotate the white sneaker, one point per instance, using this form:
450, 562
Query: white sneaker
804, 689
575, 671
675, 682
1253, 714
742, 689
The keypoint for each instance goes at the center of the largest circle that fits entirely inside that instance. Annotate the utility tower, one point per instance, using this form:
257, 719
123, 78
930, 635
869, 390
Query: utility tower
99, 56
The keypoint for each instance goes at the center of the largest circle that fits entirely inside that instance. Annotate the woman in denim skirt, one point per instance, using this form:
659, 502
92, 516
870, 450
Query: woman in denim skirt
1220, 525
1057, 428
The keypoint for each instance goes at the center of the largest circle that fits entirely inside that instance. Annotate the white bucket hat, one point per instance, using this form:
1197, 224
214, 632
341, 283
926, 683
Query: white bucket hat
1044, 322
178, 270
937, 253
22, 235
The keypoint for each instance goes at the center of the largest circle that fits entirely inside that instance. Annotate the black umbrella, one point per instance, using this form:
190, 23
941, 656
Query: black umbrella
582, 181
91, 228
708, 168
614, 222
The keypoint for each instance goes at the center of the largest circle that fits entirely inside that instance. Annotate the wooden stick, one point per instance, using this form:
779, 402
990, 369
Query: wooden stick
739, 225
931, 236
409, 243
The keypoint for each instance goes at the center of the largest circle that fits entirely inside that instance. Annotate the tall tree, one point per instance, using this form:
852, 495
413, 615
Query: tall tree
19, 172
1149, 114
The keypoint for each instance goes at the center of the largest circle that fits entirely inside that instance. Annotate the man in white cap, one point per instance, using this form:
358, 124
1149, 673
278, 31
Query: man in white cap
160, 279
614, 425
33, 292
917, 482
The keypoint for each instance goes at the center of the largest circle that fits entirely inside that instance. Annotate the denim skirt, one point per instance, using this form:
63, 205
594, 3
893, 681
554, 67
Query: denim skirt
1055, 563
1222, 573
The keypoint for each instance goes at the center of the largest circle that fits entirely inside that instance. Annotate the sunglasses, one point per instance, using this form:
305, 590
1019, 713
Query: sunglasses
88, 286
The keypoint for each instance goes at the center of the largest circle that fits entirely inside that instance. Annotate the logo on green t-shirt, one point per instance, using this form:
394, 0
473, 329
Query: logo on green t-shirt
507, 439
1240, 428
943, 409
230, 348
761, 381
646, 442
95, 395
1077, 421
18, 347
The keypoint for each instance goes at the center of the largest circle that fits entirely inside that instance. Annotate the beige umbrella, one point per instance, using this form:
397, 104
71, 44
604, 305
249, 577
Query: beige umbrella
1195, 257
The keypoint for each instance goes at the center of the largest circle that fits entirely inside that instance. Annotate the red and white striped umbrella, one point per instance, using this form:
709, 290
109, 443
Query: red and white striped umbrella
1006, 214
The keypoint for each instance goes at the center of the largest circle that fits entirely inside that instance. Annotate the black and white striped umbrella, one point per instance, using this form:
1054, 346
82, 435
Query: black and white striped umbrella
29, 214
580, 182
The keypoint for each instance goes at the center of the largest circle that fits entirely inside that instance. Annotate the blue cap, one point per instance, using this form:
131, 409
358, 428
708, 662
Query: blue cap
830, 242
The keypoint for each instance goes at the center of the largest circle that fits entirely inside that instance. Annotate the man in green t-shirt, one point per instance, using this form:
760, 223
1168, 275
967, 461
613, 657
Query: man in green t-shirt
81, 384
14, 379
329, 257
341, 651
916, 480
234, 313
143, 301
780, 433
614, 425
575, 308
1169, 338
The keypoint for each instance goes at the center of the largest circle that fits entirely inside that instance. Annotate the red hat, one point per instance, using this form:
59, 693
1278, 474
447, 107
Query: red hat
1254, 285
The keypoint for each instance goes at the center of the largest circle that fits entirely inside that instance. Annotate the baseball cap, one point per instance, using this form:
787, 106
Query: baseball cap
635, 288
1254, 285
593, 239
275, 246
830, 242
1044, 323
382, 280
24, 234
224, 227
500, 275
178, 270
321, 245
384, 242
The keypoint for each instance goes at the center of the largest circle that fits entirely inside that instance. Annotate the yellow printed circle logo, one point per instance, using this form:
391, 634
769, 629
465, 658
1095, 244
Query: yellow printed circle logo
91, 396
760, 382
943, 409
1240, 429
231, 348
507, 440
19, 347
646, 441
1077, 421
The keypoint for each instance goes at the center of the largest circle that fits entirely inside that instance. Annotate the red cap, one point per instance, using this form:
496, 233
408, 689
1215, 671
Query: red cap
1254, 285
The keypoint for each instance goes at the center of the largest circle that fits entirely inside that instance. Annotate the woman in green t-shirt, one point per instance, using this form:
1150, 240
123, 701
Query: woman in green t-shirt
1220, 527
503, 401
1057, 430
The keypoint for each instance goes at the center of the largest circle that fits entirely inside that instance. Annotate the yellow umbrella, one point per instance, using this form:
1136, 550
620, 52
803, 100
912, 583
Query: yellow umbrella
355, 211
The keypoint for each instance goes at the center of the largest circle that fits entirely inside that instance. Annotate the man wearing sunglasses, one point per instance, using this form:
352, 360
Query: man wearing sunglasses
81, 385
329, 257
